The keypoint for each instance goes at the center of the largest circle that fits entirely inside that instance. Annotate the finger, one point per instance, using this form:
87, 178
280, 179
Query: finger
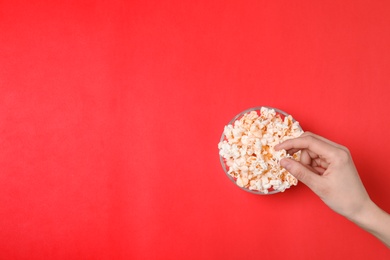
312, 144
307, 133
321, 163
305, 157
319, 170
316, 169
301, 172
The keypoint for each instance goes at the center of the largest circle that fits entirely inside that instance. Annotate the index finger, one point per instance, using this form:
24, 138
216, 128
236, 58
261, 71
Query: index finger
310, 143
325, 140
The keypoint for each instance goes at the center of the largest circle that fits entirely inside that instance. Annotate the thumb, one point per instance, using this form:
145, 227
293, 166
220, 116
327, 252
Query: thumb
300, 172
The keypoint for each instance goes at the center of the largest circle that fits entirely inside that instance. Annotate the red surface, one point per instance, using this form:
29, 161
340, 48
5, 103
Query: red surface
111, 112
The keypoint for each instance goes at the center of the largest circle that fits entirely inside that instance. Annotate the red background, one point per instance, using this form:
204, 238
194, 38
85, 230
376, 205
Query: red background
111, 112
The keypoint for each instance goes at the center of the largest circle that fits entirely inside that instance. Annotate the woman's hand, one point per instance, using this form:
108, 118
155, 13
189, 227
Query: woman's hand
328, 170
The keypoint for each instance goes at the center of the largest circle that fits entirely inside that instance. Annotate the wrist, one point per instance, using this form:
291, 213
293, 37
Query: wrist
364, 216
374, 220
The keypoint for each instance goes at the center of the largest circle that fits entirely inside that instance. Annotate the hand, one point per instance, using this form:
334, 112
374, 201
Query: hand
328, 170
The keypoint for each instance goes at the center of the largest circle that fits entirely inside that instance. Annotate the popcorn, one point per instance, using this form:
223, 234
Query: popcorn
249, 154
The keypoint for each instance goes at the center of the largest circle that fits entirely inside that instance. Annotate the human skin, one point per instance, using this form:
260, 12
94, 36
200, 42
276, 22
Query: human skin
326, 167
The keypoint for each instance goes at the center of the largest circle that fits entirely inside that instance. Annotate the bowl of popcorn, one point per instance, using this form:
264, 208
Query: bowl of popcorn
247, 154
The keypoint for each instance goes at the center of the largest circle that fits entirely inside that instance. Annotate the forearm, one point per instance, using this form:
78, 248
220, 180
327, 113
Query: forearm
375, 221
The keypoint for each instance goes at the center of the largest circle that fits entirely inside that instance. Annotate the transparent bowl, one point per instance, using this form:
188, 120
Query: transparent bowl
223, 161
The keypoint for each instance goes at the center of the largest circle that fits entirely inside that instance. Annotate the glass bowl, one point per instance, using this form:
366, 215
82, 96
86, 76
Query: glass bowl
223, 161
